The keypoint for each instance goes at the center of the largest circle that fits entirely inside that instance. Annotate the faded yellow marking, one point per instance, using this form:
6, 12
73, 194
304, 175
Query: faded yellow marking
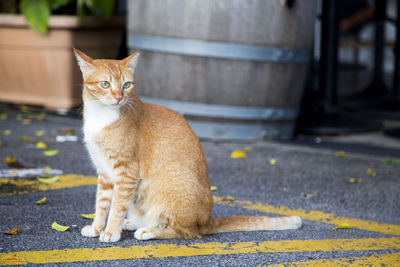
13, 186
374, 260
317, 216
197, 249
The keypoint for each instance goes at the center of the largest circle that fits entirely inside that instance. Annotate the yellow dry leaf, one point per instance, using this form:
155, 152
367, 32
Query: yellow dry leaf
41, 201
340, 153
39, 133
48, 180
13, 231
41, 145
371, 172
10, 160
89, 216
26, 122
7, 132
3, 116
247, 149
25, 138
50, 153
228, 198
47, 169
59, 227
272, 161
214, 188
342, 226
13, 172
238, 154
356, 180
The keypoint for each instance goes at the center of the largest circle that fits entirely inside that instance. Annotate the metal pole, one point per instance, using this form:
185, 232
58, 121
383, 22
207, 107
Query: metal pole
396, 82
329, 51
380, 16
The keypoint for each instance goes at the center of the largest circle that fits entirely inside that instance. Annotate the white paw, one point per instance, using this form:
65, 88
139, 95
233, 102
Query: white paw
89, 231
109, 237
129, 225
143, 234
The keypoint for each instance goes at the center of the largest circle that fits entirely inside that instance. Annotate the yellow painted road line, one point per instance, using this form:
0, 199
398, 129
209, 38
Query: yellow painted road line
317, 216
13, 186
197, 249
374, 260
22, 186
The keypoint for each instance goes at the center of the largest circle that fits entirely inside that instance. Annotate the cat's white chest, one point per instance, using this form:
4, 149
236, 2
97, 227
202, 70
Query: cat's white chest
97, 117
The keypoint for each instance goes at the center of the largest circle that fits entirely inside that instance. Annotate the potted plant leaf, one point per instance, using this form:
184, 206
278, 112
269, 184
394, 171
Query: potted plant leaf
37, 65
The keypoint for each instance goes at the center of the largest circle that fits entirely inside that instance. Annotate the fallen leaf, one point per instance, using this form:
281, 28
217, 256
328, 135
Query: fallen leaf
13, 231
13, 172
356, 180
285, 189
38, 117
17, 165
39, 133
247, 149
1, 143
48, 180
228, 198
67, 131
372, 164
50, 153
58, 227
26, 122
340, 153
47, 169
390, 161
3, 116
272, 161
7, 132
13, 260
25, 138
371, 172
41, 201
238, 154
24, 109
214, 188
342, 226
41, 145
10, 160
89, 216
306, 195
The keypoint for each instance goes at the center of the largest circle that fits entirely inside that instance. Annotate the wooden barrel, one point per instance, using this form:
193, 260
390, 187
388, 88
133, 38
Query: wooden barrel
234, 68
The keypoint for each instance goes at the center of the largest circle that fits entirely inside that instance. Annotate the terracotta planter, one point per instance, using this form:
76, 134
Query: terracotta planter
41, 69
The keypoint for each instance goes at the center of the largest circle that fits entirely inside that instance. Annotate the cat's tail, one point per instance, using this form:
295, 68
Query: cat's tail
252, 223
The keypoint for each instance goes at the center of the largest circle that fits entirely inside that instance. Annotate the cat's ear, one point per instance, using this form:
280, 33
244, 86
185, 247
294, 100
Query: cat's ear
84, 61
132, 61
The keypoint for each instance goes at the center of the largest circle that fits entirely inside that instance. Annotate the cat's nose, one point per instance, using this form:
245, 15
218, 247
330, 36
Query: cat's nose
118, 98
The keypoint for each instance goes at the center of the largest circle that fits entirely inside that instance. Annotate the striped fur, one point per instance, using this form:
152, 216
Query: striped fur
152, 174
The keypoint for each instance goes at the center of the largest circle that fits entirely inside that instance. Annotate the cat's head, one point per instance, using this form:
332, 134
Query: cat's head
108, 82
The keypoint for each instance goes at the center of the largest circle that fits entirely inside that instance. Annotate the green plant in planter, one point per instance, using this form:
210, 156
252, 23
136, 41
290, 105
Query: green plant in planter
37, 12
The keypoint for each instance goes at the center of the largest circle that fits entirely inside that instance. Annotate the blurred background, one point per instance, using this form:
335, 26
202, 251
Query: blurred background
237, 70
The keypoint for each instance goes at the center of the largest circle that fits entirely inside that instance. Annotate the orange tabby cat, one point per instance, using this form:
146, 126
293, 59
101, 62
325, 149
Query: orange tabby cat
152, 174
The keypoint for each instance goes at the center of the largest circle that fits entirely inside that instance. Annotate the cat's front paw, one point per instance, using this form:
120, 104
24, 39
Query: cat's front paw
90, 231
109, 237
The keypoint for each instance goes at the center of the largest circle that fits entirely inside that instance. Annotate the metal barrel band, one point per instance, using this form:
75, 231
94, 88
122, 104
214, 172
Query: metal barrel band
225, 111
213, 49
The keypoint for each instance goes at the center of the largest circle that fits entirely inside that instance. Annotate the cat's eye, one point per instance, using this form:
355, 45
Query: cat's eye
127, 85
104, 84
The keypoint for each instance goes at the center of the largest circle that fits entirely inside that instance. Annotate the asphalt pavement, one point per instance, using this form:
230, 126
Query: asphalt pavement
327, 181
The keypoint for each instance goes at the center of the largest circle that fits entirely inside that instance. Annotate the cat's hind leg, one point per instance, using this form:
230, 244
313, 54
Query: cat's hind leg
147, 233
134, 220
